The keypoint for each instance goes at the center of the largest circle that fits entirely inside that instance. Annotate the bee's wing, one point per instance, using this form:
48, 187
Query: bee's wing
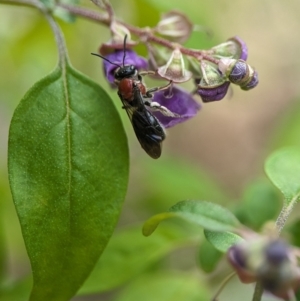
147, 129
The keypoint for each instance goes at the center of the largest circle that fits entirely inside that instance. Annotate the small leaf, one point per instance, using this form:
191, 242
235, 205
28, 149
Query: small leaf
283, 169
208, 256
128, 254
208, 215
261, 202
167, 287
222, 241
68, 169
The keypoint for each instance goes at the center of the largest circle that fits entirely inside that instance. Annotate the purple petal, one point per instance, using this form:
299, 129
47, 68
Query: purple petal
213, 94
117, 58
244, 48
180, 102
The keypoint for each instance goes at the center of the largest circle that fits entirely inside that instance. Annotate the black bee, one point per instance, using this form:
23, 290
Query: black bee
137, 101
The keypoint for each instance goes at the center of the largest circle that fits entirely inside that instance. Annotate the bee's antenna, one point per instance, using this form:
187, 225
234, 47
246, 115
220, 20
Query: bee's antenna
96, 54
124, 49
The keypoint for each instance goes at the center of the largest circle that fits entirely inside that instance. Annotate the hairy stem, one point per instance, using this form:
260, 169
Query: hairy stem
285, 212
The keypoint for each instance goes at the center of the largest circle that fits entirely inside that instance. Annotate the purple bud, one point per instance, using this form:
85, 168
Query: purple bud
252, 83
238, 72
180, 102
277, 252
116, 57
215, 93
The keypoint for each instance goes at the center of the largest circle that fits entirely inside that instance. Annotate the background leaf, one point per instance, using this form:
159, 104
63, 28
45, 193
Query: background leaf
165, 286
208, 215
283, 169
68, 169
208, 256
129, 253
222, 241
261, 202
18, 291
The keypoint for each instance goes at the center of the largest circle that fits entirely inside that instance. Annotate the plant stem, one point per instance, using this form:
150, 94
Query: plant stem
145, 34
62, 50
285, 212
31, 3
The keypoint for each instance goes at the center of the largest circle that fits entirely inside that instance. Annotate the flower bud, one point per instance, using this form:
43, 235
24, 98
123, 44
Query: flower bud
234, 48
269, 261
215, 93
175, 26
239, 72
175, 70
212, 85
118, 33
252, 82
211, 75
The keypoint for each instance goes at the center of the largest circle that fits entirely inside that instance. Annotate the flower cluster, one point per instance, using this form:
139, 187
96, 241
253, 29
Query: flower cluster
268, 260
211, 70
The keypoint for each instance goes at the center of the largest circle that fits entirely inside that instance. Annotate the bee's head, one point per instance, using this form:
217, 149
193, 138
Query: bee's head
125, 72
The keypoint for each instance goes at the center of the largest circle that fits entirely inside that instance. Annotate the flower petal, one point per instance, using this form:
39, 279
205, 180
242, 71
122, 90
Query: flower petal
215, 93
117, 58
180, 102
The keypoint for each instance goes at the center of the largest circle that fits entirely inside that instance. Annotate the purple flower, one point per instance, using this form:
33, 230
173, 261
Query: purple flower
180, 102
213, 94
117, 58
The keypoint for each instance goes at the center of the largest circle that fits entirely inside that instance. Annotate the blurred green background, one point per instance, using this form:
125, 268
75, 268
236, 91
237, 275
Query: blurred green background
217, 156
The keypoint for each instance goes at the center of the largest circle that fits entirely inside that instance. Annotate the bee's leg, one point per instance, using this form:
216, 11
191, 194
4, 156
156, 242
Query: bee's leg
155, 89
155, 106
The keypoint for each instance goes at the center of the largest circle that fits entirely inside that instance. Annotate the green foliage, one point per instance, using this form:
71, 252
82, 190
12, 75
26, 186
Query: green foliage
222, 241
18, 291
260, 203
165, 286
208, 256
208, 215
193, 183
129, 253
283, 169
68, 168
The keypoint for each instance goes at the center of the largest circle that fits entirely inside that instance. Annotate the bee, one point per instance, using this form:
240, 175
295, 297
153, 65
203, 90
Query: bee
137, 101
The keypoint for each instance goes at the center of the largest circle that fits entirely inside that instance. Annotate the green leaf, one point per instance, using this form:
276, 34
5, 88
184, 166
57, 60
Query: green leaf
261, 202
288, 127
68, 170
167, 287
129, 253
208, 256
222, 241
283, 169
208, 215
